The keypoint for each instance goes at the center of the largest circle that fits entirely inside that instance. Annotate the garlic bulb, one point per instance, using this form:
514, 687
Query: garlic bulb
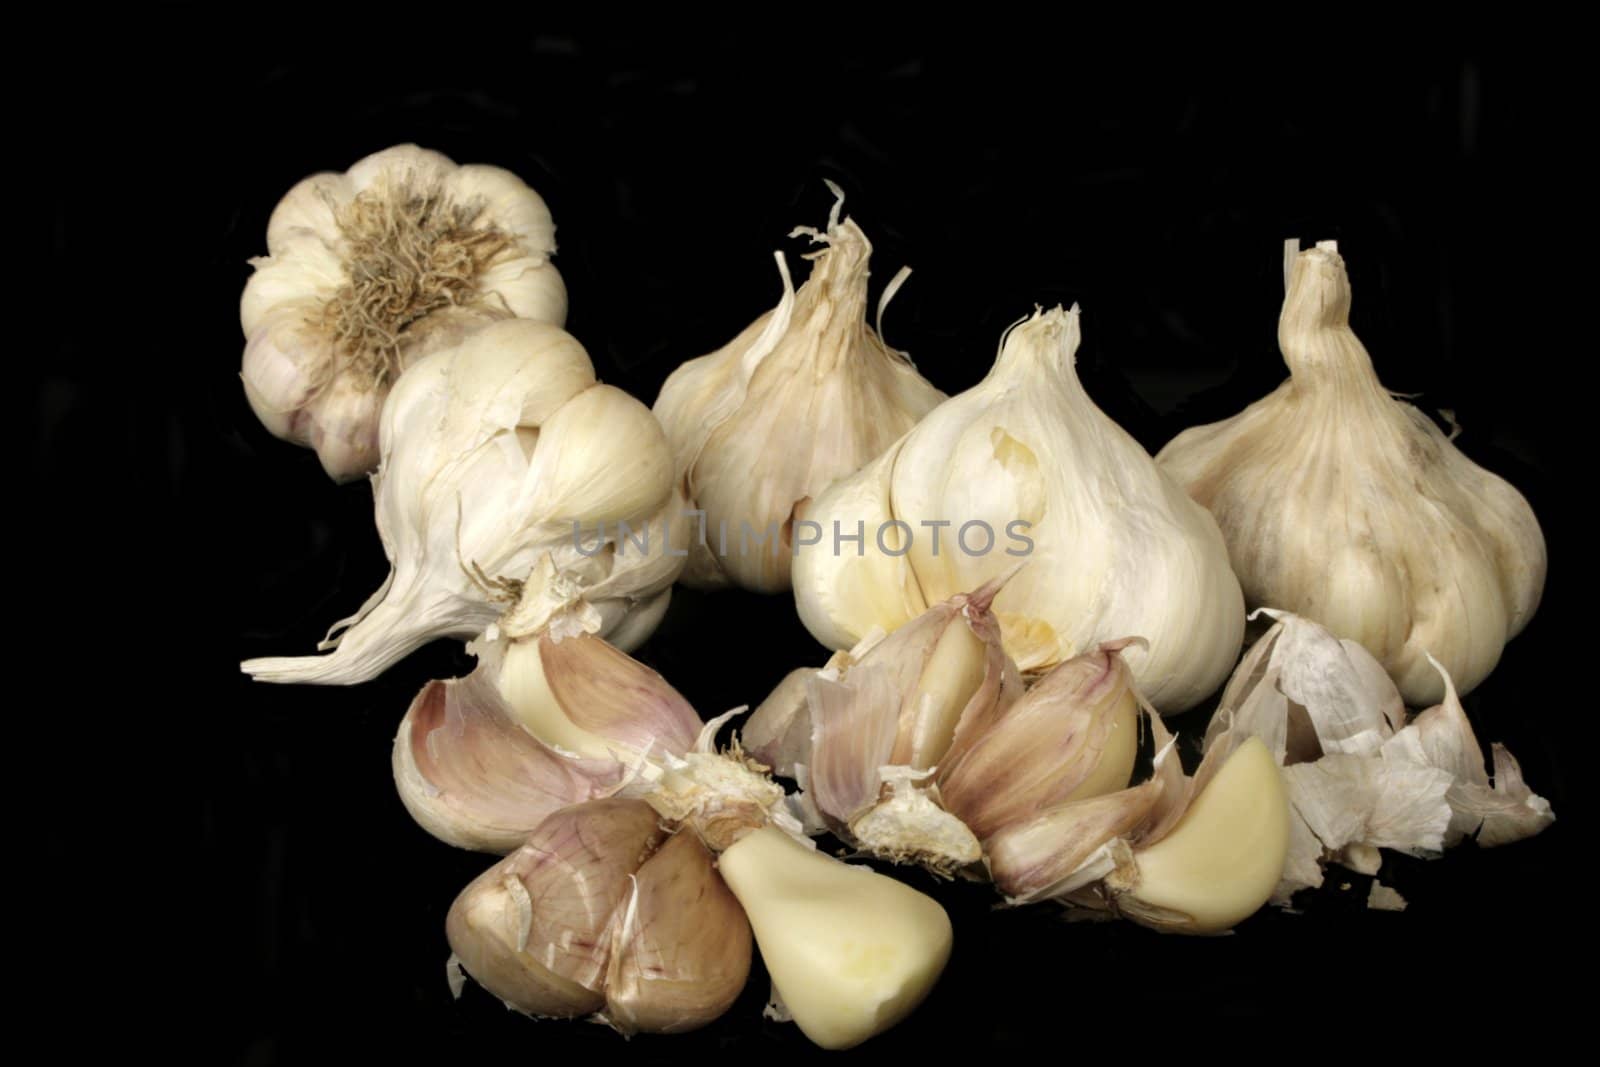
805, 395
1024, 467
1359, 778
603, 912
851, 952
1348, 506
507, 476
541, 724
366, 272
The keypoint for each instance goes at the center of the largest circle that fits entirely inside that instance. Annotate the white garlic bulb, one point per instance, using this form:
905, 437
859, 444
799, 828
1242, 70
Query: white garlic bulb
1024, 469
370, 270
805, 395
1349, 507
507, 474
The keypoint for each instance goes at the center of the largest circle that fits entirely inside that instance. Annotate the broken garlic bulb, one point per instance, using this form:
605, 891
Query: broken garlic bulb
1024, 467
507, 473
404, 254
851, 952
539, 725
603, 913
1349, 507
805, 395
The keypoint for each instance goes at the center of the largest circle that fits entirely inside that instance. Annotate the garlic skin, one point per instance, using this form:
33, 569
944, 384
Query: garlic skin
494, 454
540, 724
603, 913
1349, 507
1117, 548
1359, 777
850, 952
368, 271
803, 396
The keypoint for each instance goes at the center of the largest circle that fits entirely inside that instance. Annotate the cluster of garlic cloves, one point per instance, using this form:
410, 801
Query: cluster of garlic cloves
1345, 505
1024, 467
1359, 777
542, 723
367, 272
805, 395
603, 912
508, 477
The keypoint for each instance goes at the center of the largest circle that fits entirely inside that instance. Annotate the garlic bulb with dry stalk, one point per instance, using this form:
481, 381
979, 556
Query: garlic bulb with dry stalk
1348, 506
541, 724
366, 272
514, 491
1024, 467
806, 394
603, 912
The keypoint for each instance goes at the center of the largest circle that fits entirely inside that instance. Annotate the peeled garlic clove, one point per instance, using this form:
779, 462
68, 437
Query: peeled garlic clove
1025, 467
1388, 534
850, 952
491, 451
1224, 858
805, 395
1072, 736
680, 944
582, 696
404, 255
473, 778
534, 929
1036, 858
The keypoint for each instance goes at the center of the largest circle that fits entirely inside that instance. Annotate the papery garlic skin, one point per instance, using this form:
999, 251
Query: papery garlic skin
495, 454
1348, 506
368, 271
1117, 548
850, 951
803, 396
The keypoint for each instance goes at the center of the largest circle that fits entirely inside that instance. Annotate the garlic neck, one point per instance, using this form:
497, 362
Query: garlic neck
1045, 344
835, 294
1314, 328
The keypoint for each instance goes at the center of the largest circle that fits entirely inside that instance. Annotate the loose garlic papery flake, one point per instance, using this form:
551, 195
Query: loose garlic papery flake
1360, 778
1348, 506
1117, 548
850, 951
368, 271
541, 724
602, 913
495, 454
805, 395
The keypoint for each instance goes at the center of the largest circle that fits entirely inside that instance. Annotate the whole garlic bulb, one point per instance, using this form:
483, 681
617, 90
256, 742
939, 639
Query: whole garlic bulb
1349, 507
1025, 459
806, 394
370, 270
495, 455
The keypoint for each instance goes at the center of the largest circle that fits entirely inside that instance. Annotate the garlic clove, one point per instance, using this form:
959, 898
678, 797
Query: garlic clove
606, 693
1389, 536
473, 778
1036, 858
850, 951
778, 732
508, 199
277, 377
853, 734
680, 944
307, 210
343, 428
534, 929
623, 473
1049, 747
1224, 858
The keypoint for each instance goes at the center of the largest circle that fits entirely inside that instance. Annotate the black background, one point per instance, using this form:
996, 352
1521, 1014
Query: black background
295, 904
